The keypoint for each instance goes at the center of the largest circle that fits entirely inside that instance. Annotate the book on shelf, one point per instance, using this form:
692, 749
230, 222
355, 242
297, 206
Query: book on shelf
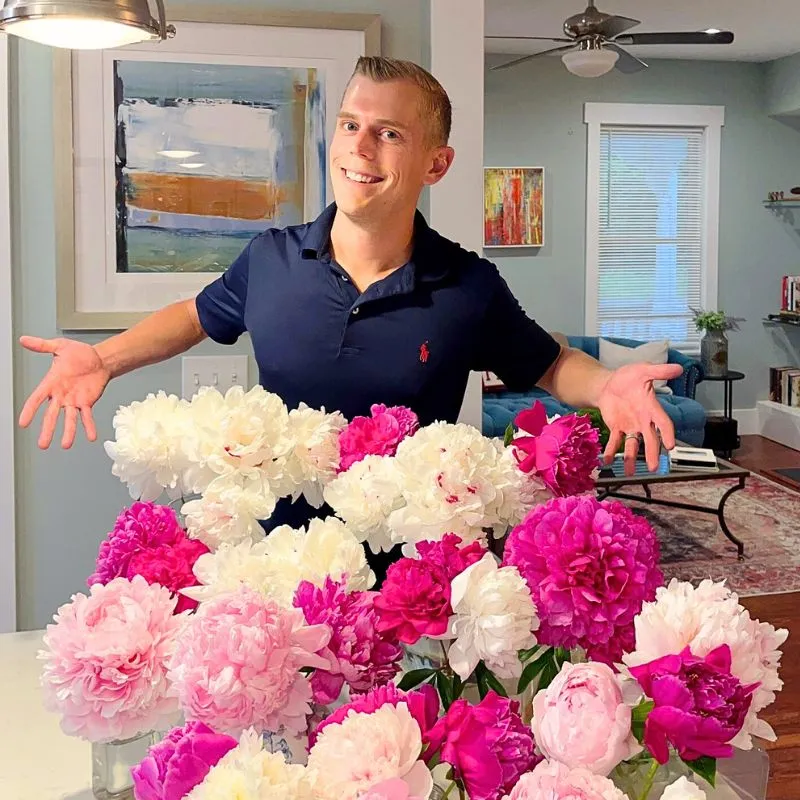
784, 385
790, 294
693, 458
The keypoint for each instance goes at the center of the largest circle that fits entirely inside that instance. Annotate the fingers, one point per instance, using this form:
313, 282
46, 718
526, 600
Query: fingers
36, 398
614, 441
49, 424
652, 447
664, 424
39, 345
631, 450
663, 372
88, 423
70, 426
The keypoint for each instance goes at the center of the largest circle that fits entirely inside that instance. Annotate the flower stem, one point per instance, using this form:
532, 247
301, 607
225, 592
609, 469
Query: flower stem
448, 790
649, 779
446, 669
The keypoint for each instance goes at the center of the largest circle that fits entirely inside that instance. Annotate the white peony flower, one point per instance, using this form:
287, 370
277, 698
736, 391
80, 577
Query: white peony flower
364, 749
148, 449
364, 496
494, 617
683, 789
246, 433
517, 491
313, 461
328, 549
248, 772
704, 618
229, 511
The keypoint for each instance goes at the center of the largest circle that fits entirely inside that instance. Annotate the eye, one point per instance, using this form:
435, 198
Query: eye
390, 135
349, 125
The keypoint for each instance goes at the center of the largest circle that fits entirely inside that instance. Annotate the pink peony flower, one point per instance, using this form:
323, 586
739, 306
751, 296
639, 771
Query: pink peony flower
582, 720
358, 654
563, 453
179, 762
376, 435
488, 745
423, 703
237, 664
447, 554
393, 789
106, 660
699, 705
139, 527
590, 566
148, 540
555, 781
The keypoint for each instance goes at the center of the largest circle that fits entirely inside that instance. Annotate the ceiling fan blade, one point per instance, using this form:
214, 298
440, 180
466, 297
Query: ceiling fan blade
532, 38
532, 55
626, 63
613, 26
686, 37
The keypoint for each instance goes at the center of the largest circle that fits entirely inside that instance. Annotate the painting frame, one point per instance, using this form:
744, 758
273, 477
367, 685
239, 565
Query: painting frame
79, 262
538, 171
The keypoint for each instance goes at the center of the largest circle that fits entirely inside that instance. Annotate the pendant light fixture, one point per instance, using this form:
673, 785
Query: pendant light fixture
84, 24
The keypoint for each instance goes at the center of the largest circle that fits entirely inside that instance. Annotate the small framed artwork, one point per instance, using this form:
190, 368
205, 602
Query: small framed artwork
173, 155
513, 206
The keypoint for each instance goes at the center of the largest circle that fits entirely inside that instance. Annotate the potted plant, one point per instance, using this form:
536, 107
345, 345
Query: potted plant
714, 344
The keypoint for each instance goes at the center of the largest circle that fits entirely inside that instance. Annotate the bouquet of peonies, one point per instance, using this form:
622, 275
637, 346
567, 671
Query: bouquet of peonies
563, 669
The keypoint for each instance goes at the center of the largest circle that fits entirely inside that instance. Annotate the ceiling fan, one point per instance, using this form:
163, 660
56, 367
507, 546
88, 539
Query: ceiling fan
594, 39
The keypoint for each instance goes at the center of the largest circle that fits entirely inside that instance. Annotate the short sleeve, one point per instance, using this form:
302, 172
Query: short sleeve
221, 304
512, 345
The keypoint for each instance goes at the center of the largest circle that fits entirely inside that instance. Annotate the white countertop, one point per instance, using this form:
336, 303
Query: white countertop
37, 760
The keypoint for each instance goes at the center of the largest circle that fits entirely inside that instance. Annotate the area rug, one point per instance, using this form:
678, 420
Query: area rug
765, 516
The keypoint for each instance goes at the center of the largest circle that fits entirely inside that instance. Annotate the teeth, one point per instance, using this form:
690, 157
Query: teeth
357, 176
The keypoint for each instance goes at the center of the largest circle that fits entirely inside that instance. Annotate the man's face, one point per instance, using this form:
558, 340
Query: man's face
382, 155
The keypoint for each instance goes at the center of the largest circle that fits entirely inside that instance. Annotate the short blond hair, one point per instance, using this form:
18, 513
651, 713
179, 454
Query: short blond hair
435, 102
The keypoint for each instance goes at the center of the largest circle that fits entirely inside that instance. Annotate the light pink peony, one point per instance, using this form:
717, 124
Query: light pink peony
393, 789
106, 660
590, 566
551, 780
142, 526
238, 661
563, 453
581, 719
376, 435
358, 654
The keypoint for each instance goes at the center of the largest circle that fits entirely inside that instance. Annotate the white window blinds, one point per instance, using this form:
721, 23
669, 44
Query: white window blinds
650, 233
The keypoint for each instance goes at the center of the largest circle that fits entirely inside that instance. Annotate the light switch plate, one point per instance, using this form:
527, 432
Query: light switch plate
221, 372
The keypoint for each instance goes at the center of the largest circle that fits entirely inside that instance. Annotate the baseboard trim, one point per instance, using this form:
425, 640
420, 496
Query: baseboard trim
747, 418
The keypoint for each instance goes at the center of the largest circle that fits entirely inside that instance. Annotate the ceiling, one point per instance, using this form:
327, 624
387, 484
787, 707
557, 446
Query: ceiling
763, 30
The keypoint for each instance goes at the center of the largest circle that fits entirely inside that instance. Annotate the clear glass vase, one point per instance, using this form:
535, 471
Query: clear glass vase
112, 763
631, 776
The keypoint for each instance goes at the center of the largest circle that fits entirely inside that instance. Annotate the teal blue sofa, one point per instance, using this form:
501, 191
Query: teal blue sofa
687, 414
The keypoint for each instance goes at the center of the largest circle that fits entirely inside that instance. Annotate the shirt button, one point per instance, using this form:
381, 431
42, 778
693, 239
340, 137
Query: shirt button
344, 278
356, 310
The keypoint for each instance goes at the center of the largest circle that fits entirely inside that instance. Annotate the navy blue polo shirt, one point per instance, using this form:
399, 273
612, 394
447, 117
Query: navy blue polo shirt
410, 339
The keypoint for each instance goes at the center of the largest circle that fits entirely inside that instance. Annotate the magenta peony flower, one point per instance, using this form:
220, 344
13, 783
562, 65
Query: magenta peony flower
179, 762
423, 704
488, 745
563, 453
140, 527
555, 781
237, 664
699, 705
106, 660
376, 435
446, 554
590, 566
359, 655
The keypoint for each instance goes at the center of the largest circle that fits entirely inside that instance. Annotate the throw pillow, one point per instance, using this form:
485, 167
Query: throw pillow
614, 355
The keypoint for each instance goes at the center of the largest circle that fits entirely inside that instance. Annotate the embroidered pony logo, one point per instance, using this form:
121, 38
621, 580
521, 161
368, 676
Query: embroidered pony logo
424, 352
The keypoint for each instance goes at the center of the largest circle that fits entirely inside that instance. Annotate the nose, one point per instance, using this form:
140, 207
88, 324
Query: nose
362, 144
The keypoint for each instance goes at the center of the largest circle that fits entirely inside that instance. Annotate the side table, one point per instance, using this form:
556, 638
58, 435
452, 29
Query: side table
721, 432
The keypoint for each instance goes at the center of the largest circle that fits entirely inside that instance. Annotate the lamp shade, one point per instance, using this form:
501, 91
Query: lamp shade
83, 24
591, 63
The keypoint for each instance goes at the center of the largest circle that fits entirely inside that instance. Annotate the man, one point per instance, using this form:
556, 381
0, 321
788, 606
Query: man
366, 304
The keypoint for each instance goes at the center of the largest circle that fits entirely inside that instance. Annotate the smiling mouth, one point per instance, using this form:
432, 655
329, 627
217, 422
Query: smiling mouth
360, 177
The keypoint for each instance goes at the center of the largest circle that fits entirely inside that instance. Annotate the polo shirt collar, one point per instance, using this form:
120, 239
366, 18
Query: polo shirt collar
427, 267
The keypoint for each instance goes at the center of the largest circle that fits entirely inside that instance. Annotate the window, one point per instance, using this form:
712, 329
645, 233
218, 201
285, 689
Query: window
652, 217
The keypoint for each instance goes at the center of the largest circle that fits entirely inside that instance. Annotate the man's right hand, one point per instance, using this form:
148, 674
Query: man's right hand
75, 381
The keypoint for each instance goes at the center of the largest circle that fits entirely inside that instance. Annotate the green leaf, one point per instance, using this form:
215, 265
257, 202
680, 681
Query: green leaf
533, 669
562, 655
493, 683
458, 687
639, 717
509, 435
414, 678
705, 767
526, 655
445, 689
548, 675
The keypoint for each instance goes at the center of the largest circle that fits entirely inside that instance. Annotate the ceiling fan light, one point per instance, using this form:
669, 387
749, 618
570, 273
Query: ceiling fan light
590, 63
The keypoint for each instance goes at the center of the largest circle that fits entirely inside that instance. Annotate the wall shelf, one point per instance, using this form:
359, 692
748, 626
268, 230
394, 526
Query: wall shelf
778, 319
790, 201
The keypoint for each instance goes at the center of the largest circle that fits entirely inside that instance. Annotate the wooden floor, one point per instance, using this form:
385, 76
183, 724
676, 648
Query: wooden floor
763, 456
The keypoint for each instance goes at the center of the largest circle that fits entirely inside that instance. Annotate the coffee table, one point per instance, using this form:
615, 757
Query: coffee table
609, 484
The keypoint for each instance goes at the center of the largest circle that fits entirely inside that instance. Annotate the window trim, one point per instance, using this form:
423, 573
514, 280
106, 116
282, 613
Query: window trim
711, 119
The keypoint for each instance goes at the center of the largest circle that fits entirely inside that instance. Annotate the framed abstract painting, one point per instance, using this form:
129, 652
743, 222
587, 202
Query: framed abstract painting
513, 206
171, 156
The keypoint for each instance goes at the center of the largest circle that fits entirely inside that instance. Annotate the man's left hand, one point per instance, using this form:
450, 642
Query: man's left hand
630, 409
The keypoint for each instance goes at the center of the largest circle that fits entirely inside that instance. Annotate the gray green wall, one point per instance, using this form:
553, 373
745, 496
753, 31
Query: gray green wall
534, 117
68, 500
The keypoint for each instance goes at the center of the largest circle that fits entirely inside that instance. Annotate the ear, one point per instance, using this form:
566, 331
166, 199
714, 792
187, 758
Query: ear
442, 158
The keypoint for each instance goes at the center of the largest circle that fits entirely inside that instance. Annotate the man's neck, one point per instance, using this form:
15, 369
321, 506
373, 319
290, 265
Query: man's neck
369, 252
